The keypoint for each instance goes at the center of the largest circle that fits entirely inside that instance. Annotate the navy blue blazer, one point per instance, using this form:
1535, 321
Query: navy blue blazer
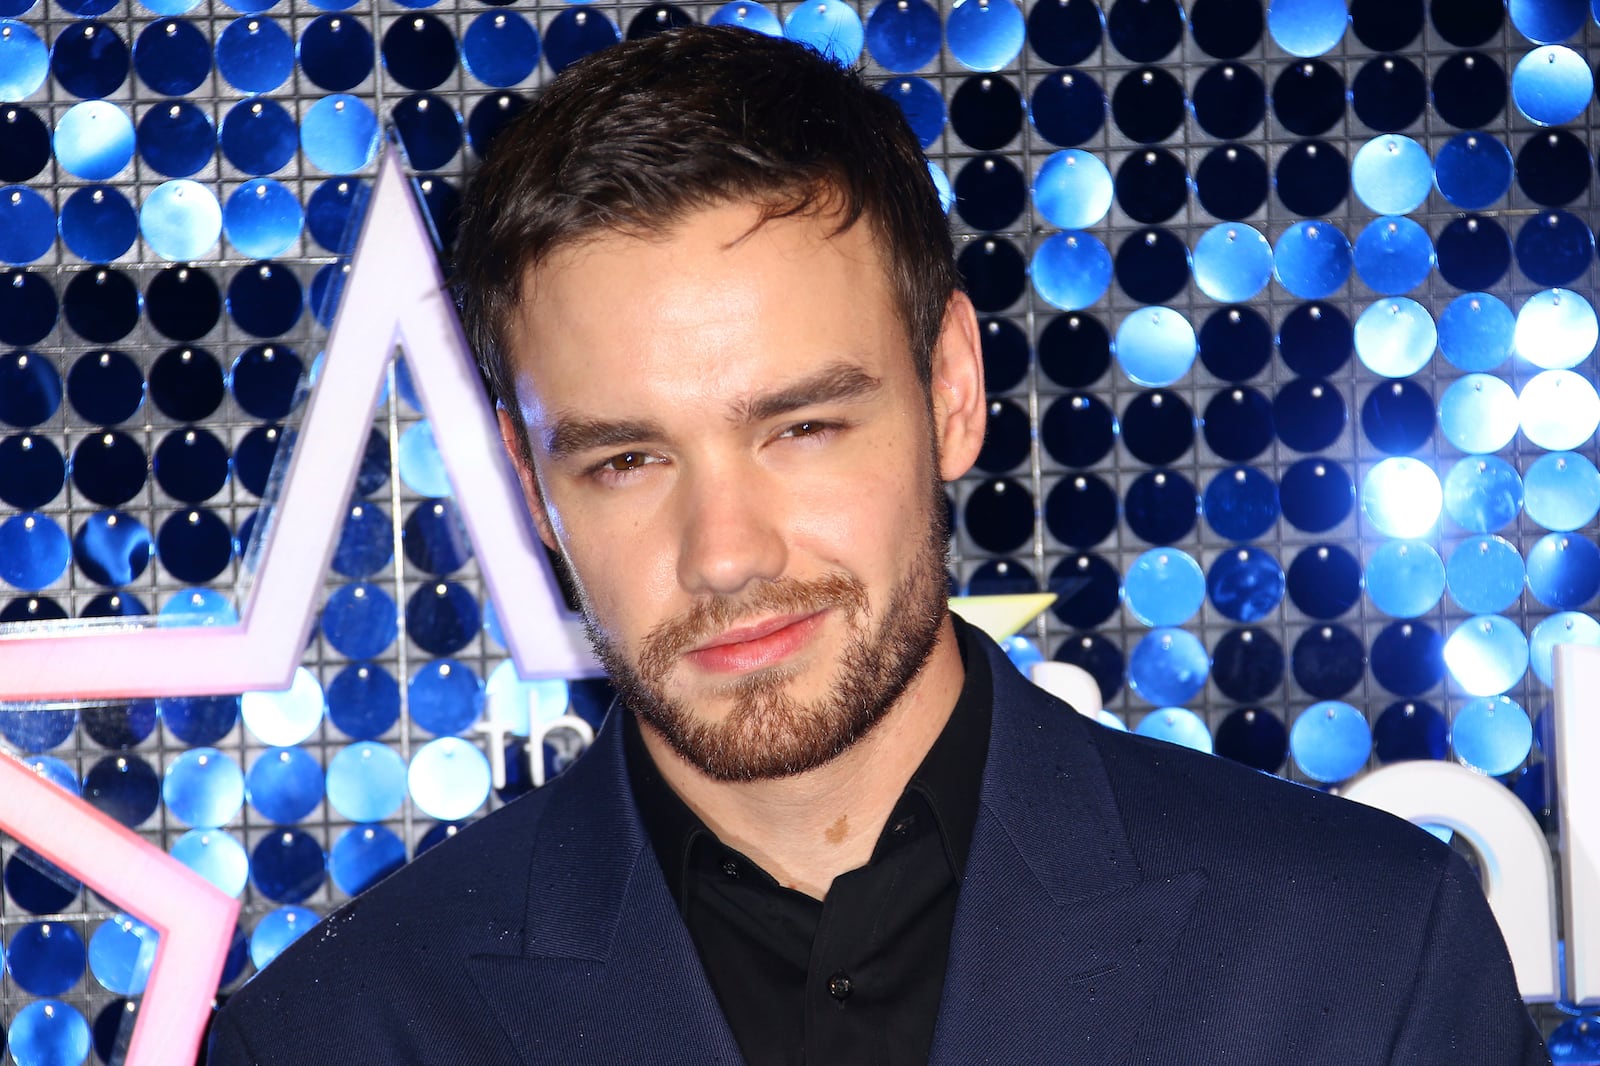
1125, 901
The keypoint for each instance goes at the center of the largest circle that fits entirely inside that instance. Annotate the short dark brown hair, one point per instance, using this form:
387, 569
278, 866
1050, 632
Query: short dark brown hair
634, 138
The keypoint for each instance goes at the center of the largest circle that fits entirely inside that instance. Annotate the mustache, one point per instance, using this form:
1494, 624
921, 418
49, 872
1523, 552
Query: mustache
663, 645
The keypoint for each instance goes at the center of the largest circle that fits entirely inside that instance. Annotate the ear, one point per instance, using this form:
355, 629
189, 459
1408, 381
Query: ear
513, 437
960, 406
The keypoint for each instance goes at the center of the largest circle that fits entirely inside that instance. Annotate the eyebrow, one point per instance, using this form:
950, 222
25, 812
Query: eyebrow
834, 383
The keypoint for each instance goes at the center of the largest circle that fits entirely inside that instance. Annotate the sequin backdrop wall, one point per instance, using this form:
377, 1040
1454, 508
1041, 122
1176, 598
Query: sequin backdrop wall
1288, 328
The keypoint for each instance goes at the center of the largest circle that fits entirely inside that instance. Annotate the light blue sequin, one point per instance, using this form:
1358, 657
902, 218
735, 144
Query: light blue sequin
366, 781
1164, 587
181, 220
1483, 493
1559, 410
1331, 741
1556, 329
1476, 331
1492, 735
1562, 491
1232, 262
448, 779
203, 788
1391, 174
1176, 725
1478, 413
1071, 270
1168, 667
1405, 578
985, 35
1395, 337
1485, 574
215, 856
1401, 497
1565, 627
1486, 655
1155, 346
832, 27
1073, 189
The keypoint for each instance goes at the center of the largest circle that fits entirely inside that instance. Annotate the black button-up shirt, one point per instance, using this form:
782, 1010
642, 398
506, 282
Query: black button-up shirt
854, 978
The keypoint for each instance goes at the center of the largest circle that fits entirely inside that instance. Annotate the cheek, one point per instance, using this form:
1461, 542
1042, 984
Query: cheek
876, 514
628, 574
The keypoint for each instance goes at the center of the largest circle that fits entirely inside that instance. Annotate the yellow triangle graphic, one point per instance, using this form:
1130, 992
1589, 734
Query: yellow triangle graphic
1001, 616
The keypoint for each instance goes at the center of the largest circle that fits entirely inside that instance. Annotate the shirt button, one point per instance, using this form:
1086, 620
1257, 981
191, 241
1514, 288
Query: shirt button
730, 868
839, 986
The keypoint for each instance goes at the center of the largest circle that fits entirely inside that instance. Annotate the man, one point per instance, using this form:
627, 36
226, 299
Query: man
826, 823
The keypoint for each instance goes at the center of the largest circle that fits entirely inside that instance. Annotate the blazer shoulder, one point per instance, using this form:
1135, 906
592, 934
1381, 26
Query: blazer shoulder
466, 894
1179, 805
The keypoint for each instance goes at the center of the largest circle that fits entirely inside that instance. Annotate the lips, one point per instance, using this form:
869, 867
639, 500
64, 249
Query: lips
754, 647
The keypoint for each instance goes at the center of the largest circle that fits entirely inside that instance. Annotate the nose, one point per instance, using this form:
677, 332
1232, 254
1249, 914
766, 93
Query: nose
731, 534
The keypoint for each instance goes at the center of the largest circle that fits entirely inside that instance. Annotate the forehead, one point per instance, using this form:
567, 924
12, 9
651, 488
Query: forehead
721, 297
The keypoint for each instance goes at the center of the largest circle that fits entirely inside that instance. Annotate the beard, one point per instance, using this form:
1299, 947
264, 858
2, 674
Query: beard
768, 733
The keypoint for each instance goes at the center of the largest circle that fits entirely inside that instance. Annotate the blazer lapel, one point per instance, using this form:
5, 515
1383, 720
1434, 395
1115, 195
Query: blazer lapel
1061, 940
602, 968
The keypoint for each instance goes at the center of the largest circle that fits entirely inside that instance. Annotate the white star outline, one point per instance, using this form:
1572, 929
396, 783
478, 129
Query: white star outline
195, 920
394, 298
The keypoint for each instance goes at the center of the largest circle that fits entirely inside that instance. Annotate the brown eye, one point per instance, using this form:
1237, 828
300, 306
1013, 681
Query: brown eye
626, 461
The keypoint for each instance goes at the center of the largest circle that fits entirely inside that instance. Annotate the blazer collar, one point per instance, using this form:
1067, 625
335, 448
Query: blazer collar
1059, 934
604, 969
1061, 939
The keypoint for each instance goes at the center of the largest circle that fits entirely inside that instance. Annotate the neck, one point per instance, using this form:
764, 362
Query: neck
807, 829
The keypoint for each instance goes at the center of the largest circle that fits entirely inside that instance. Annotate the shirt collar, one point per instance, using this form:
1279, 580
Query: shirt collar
947, 782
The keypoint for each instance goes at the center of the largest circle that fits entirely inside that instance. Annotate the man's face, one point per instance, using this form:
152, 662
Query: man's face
734, 455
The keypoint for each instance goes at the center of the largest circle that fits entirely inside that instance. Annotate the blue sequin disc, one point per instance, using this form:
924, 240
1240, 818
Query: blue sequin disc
363, 701
1393, 255
1562, 490
500, 48
750, 15
1312, 259
203, 788
1241, 503
985, 35
1392, 174
1395, 337
1330, 741
1071, 270
1168, 667
285, 784
94, 140
1473, 170
1476, 331
1556, 329
448, 778
1559, 409
255, 54
903, 35
360, 620
262, 219
835, 30
366, 781
180, 220
1164, 587
1485, 575
363, 855
339, 133
1245, 584
1566, 627
1563, 571
1492, 735
1478, 413
1405, 578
